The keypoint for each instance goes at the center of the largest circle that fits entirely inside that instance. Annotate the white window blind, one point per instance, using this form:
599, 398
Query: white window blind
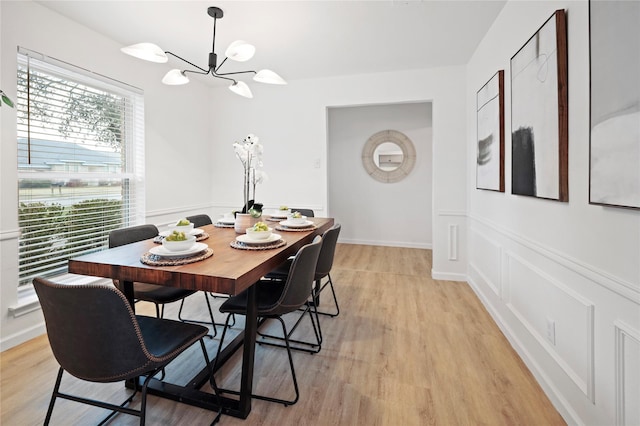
80, 162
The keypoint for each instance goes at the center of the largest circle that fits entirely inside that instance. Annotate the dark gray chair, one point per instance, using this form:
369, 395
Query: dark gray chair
304, 212
157, 294
323, 269
275, 299
95, 336
199, 220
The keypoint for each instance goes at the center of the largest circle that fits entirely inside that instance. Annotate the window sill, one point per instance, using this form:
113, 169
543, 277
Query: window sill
28, 300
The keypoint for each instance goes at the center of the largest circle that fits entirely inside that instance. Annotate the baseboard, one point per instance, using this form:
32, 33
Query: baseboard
447, 276
22, 336
386, 243
554, 394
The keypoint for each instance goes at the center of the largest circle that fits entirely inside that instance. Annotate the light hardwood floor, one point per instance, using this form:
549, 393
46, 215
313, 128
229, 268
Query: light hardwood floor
405, 350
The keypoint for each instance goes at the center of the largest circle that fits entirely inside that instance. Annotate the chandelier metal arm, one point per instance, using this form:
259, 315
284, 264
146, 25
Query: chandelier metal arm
236, 72
216, 73
213, 74
204, 71
221, 64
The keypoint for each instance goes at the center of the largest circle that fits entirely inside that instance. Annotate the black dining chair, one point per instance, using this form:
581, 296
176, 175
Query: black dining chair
276, 299
95, 336
157, 294
199, 220
304, 212
323, 269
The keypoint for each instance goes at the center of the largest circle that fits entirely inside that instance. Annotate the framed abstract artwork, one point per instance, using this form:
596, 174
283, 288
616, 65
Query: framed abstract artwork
490, 134
614, 160
539, 113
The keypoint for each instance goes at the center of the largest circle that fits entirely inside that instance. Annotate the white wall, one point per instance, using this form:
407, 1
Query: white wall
177, 135
292, 124
373, 212
532, 261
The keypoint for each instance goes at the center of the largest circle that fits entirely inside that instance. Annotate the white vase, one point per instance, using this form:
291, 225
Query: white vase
243, 221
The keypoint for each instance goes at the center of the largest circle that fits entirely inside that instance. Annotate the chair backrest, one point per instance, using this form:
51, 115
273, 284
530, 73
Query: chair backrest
297, 288
93, 332
133, 234
304, 212
199, 220
325, 260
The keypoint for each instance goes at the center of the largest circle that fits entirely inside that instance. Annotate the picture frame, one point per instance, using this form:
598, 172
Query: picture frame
614, 104
490, 134
539, 113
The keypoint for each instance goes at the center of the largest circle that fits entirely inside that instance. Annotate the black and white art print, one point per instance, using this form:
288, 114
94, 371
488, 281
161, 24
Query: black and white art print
614, 41
490, 136
539, 116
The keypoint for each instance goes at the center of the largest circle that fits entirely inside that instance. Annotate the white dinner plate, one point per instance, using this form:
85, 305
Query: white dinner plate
227, 221
194, 232
288, 224
279, 215
244, 238
162, 251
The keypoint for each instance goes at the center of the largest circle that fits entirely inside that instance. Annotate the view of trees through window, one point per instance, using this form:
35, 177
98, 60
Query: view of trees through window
76, 168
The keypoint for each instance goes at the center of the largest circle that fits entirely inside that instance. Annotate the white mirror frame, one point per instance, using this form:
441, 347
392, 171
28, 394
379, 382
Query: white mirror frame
408, 156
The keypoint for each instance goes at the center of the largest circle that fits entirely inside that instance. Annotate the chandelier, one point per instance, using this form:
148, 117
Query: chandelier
239, 51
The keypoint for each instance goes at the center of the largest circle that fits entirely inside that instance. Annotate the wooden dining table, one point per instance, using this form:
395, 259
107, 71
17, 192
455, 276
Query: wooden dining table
228, 271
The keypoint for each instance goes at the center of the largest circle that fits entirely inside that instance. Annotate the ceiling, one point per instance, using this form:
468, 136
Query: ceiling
299, 39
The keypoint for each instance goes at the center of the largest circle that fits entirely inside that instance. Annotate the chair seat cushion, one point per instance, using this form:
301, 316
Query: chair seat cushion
281, 272
158, 293
267, 295
163, 338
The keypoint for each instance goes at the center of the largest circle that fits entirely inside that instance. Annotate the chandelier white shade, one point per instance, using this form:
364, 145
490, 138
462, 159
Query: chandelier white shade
147, 51
239, 51
269, 77
241, 88
175, 77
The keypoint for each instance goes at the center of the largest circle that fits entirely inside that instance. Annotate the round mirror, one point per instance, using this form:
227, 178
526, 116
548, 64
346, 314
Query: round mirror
388, 156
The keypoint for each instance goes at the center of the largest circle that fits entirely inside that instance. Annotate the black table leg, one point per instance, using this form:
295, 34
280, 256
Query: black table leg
248, 351
190, 393
316, 297
127, 289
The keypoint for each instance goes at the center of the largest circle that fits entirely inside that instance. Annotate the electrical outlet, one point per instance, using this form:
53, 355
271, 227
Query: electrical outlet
551, 331
316, 163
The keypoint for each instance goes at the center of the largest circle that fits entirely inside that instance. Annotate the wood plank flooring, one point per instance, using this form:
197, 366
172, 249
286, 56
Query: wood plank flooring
405, 350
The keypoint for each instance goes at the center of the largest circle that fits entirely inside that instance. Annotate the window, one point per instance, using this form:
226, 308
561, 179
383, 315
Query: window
80, 162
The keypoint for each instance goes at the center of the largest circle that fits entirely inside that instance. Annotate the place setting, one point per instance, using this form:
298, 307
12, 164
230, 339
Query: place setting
295, 222
258, 237
228, 220
183, 225
178, 246
280, 214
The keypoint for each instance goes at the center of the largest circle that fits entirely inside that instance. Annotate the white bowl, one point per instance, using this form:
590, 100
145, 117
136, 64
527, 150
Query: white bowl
259, 235
297, 220
179, 245
185, 228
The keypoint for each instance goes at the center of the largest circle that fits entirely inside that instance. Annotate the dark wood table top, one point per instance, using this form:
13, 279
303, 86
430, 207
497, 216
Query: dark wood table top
228, 271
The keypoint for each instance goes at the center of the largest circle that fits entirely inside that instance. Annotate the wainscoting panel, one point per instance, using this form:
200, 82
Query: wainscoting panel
453, 242
486, 260
627, 355
560, 320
